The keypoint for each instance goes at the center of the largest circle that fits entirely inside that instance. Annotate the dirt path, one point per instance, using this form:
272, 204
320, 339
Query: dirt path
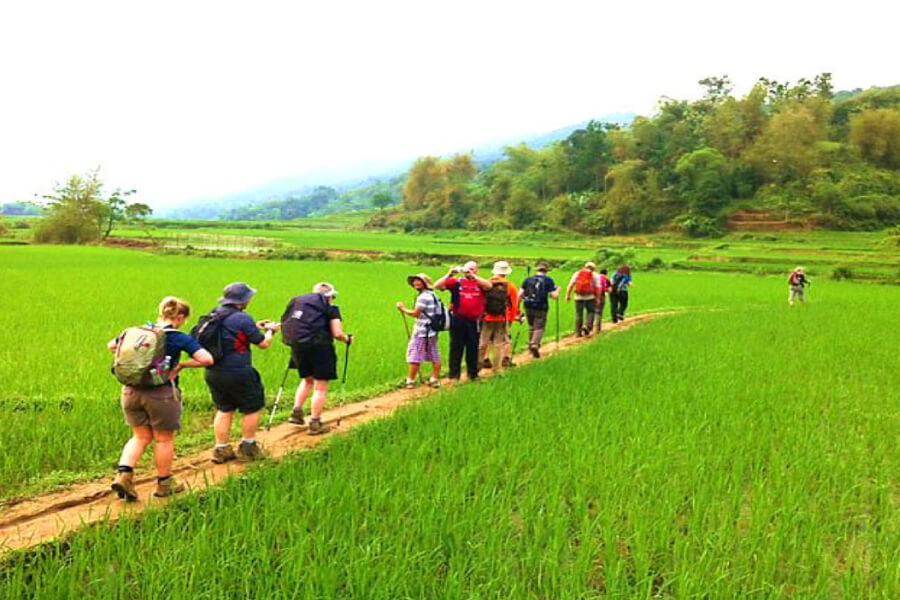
35, 520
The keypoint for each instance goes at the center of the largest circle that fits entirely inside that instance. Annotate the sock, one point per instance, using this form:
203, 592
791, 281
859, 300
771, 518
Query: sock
125, 469
164, 478
222, 445
246, 441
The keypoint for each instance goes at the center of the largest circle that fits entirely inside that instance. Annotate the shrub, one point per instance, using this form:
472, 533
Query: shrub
842, 273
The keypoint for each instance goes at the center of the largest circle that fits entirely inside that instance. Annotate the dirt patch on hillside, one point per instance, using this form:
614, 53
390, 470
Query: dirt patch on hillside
31, 521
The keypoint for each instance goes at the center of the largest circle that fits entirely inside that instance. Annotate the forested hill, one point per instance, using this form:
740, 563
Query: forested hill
351, 188
797, 150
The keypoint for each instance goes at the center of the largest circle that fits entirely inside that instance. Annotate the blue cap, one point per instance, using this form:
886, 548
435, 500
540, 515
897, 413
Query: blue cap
237, 293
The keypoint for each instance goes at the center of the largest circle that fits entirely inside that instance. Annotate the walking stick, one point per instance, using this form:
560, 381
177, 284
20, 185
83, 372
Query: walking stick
346, 364
278, 395
405, 324
557, 322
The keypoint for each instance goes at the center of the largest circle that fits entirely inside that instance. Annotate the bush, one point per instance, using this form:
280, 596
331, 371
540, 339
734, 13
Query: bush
4, 231
842, 273
655, 264
698, 226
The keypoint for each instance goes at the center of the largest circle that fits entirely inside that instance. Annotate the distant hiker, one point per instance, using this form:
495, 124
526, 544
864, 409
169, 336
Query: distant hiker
618, 294
431, 318
501, 307
233, 382
467, 307
147, 363
585, 285
797, 283
605, 287
310, 324
534, 296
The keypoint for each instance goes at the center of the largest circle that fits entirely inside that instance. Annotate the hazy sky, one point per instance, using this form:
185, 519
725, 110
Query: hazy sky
193, 99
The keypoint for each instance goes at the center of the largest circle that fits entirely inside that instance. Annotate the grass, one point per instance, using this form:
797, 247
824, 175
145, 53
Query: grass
744, 451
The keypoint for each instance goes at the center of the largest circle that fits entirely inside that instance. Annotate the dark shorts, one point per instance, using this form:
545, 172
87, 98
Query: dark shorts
236, 389
318, 361
158, 408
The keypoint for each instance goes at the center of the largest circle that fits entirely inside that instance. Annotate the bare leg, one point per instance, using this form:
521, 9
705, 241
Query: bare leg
164, 452
318, 400
249, 425
413, 371
303, 391
134, 447
436, 369
222, 426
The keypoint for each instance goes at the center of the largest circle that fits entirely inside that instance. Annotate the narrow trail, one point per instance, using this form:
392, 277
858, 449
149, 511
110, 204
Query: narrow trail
42, 518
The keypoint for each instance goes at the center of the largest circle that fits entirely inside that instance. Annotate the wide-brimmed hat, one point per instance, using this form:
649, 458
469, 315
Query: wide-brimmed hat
798, 270
590, 265
326, 289
501, 267
421, 277
236, 293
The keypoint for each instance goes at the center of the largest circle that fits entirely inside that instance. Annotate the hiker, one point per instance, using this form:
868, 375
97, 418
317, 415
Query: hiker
233, 382
501, 307
797, 283
154, 410
535, 291
605, 287
585, 284
467, 307
423, 345
618, 294
311, 322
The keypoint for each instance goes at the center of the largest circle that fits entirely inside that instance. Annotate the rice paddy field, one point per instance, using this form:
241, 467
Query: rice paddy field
734, 448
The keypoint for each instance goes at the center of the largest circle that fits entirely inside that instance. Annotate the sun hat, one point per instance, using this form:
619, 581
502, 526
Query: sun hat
501, 267
590, 265
421, 277
236, 293
326, 289
542, 266
798, 270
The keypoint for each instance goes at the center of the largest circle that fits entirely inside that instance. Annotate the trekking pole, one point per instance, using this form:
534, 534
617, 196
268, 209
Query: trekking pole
557, 322
346, 364
516, 340
405, 324
278, 395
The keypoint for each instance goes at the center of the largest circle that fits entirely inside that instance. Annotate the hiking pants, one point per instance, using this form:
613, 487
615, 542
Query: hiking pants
463, 338
601, 302
537, 322
581, 307
618, 302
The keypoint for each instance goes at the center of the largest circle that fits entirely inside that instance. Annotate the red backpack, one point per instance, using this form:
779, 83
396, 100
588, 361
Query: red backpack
584, 283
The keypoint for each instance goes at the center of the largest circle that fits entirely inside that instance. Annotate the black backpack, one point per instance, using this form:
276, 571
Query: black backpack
534, 292
209, 331
496, 299
305, 320
440, 319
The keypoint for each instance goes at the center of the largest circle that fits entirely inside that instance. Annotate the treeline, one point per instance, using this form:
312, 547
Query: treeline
799, 149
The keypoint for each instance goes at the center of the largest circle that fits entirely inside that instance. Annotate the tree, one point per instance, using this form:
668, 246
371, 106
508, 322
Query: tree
381, 200
703, 181
116, 209
876, 134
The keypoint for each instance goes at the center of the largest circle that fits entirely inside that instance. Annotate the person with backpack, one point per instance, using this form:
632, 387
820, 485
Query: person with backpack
585, 285
605, 287
467, 300
232, 381
501, 307
797, 283
535, 293
431, 318
310, 324
147, 363
618, 294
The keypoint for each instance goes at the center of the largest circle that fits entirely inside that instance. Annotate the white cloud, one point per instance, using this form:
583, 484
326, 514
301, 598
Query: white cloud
185, 100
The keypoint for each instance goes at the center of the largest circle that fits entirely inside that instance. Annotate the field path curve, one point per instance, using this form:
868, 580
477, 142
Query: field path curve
31, 521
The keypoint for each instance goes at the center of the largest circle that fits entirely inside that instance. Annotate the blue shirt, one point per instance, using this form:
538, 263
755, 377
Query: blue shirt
178, 342
238, 333
623, 281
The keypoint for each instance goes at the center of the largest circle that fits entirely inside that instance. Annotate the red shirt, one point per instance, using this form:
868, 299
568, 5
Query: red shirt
467, 298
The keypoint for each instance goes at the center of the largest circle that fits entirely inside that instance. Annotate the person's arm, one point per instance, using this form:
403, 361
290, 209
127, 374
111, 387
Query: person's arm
337, 331
112, 344
414, 312
569, 290
271, 327
441, 284
484, 284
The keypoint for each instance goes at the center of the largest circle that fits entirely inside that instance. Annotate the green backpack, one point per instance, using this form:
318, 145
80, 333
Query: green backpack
141, 356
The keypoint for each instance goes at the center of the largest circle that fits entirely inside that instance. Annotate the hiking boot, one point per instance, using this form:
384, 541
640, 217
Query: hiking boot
408, 384
169, 487
223, 454
296, 417
250, 451
435, 383
123, 486
317, 427
535, 352
487, 364
506, 362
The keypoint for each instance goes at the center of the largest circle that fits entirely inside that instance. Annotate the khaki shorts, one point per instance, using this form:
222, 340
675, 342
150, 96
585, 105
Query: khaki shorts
494, 333
158, 407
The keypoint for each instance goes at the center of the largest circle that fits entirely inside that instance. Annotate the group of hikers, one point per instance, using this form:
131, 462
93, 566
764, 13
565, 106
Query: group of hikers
148, 358
484, 310
148, 362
